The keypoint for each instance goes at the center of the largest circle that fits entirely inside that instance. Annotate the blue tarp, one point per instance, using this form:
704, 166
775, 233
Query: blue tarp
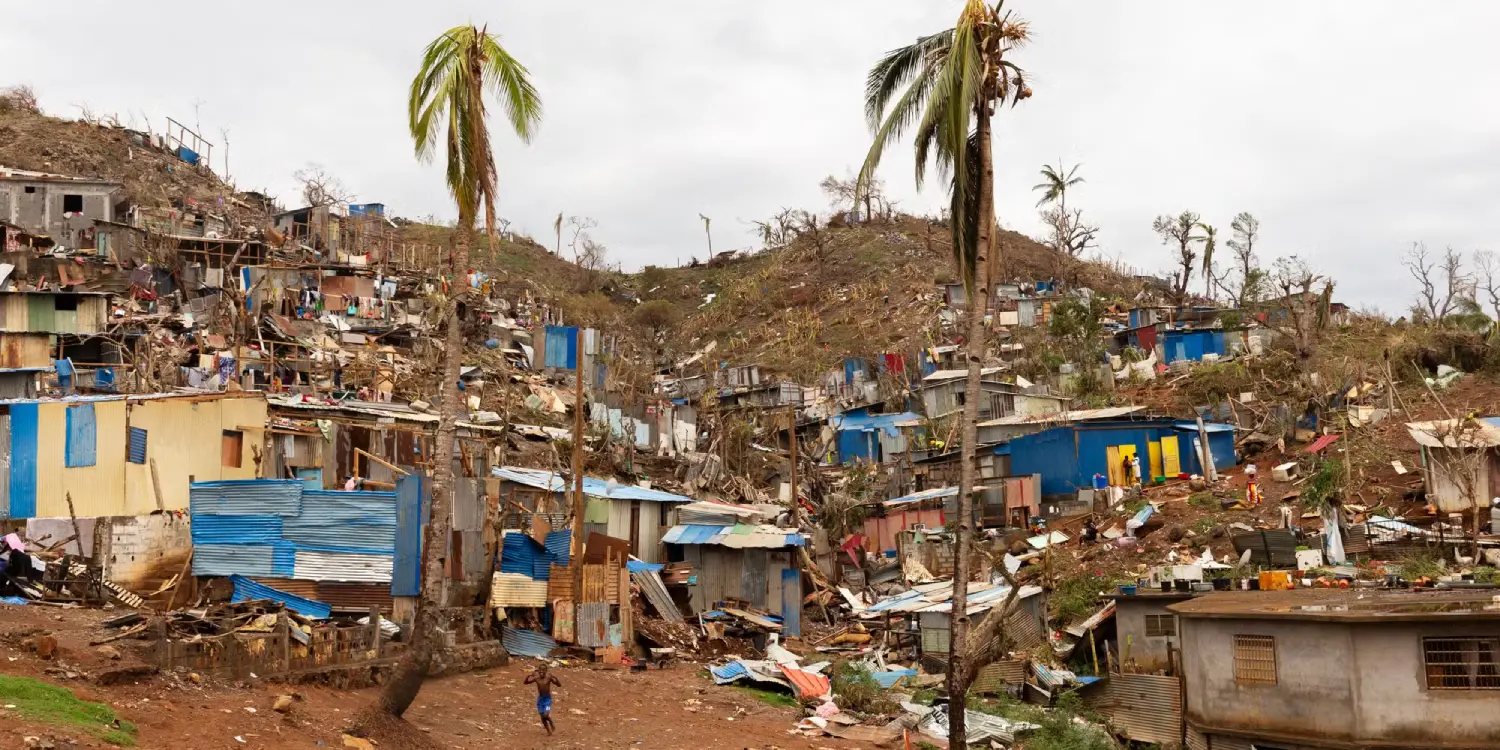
246, 590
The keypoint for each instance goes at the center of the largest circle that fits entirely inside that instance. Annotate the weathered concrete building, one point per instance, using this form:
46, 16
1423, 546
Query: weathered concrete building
1146, 630
1322, 669
63, 208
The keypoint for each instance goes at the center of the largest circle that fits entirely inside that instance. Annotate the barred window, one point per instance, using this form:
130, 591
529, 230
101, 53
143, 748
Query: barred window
1255, 660
1161, 625
1461, 663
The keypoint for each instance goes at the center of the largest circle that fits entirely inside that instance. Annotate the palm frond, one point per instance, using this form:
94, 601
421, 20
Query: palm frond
898, 68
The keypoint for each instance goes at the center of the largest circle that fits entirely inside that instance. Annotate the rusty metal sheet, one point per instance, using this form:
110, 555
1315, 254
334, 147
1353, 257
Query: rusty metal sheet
656, 592
807, 685
562, 620
304, 589
878, 736
996, 677
1196, 740
1146, 707
1024, 630
355, 596
593, 624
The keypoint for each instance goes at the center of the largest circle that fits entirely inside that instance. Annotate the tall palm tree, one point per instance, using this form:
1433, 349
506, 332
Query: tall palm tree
446, 107
1210, 240
953, 82
1055, 183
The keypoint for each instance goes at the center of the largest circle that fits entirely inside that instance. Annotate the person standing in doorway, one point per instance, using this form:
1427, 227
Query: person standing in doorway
1126, 478
1135, 469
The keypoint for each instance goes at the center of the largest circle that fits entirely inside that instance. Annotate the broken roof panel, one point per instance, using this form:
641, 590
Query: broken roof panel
593, 487
1082, 415
1448, 433
941, 375
738, 536
917, 497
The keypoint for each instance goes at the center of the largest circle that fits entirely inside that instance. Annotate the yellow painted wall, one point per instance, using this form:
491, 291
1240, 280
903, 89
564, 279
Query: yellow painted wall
185, 438
97, 490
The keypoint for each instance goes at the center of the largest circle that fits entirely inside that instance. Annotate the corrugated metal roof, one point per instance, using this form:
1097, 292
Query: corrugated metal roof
1081, 415
916, 497
246, 589
740, 536
593, 487
212, 529
521, 554
230, 559
526, 642
342, 566
1207, 426
516, 590
937, 375
727, 673
246, 497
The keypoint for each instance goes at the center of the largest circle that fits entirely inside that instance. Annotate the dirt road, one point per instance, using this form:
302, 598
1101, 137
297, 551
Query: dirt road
596, 709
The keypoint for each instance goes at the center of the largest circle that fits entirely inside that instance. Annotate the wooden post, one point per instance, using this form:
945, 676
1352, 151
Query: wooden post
284, 628
1205, 454
182, 576
375, 630
577, 543
156, 486
1094, 651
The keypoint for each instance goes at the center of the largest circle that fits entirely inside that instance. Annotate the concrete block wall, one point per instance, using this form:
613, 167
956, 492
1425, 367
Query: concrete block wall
142, 552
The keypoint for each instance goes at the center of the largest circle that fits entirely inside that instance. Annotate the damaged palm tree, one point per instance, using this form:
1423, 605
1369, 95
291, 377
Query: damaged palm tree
953, 83
458, 68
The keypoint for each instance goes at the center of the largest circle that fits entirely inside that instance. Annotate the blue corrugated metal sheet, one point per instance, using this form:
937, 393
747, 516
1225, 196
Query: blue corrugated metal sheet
79, 446
592, 487
346, 521
136, 449
521, 554
526, 642
246, 590
693, 534
209, 529
246, 497
728, 673
562, 347
559, 546
23, 437
411, 503
230, 559
284, 559
888, 680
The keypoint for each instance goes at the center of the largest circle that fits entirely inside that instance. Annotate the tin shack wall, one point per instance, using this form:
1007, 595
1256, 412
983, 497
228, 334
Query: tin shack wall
185, 437
97, 490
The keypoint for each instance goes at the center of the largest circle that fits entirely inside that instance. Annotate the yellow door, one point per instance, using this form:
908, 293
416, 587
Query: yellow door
1171, 465
1127, 452
1116, 475
1155, 449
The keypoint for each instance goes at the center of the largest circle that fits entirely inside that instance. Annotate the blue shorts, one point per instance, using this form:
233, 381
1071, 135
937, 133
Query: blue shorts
544, 704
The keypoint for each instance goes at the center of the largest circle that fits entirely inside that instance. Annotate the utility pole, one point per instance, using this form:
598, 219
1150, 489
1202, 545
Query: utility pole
577, 545
792, 433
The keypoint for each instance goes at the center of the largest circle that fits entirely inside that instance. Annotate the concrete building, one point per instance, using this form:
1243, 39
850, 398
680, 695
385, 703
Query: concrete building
63, 208
1146, 630
1319, 669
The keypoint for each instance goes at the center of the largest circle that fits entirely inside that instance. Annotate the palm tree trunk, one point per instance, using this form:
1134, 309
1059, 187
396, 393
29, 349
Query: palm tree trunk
979, 304
409, 674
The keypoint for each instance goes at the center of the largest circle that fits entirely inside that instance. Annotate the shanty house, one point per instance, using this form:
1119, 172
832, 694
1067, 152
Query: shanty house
1460, 461
59, 206
930, 605
1319, 669
1069, 456
1192, 344
100, 449
870, 437
636, 514
755, 563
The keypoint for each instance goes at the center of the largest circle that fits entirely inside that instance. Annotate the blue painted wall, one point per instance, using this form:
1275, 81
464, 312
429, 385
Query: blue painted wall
1068, 457
23, 426
1192, 345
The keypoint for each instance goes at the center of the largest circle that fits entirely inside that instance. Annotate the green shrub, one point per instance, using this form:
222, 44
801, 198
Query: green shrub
856, 690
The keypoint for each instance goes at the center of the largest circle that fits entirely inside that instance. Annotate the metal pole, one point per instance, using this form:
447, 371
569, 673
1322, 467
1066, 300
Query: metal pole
578, 456
792, 433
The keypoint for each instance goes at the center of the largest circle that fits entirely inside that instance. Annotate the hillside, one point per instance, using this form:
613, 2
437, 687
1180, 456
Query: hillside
845, 291
151, 177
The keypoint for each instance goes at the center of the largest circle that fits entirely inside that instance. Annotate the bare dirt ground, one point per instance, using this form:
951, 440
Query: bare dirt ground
670, 709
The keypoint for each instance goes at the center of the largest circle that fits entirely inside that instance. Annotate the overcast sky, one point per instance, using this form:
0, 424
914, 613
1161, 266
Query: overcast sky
1350, 128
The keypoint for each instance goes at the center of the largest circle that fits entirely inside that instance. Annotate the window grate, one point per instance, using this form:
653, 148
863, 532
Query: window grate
1158, 626
1255, 660
1461, 663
